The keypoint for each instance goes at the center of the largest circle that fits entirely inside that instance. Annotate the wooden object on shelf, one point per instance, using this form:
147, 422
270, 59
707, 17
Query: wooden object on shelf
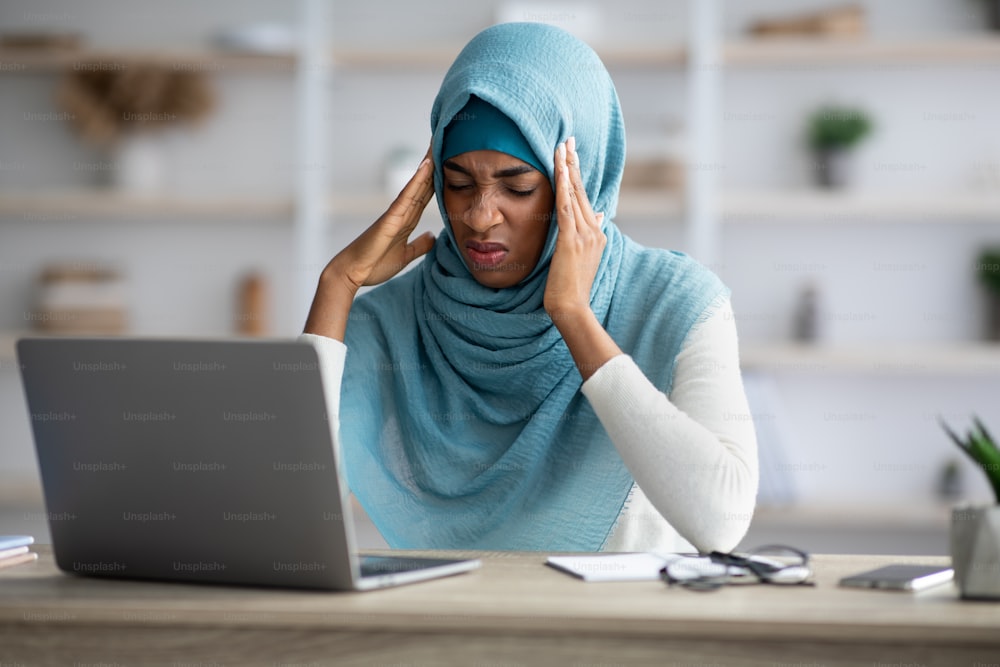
41, 41
80, 299
844, 21
251, 307
653, 174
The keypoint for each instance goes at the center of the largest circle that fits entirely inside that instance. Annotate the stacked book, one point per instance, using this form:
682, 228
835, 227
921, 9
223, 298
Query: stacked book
14, 550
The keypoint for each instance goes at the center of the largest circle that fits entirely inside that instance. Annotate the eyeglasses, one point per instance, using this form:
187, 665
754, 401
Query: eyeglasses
770, 564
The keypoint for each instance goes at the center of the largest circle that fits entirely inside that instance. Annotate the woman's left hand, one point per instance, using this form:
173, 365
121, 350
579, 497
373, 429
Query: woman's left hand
579, 244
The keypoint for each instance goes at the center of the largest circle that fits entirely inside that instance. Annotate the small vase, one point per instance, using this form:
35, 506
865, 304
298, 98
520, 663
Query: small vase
992, 329
833, 167
140, 165
975, 551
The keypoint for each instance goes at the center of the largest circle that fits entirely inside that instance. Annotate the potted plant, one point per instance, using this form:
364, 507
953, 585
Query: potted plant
988, 271
833, 131
975, 531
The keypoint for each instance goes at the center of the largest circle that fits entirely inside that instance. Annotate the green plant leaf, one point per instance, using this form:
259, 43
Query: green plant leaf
833, 127
988, 455
982, 449
988, 268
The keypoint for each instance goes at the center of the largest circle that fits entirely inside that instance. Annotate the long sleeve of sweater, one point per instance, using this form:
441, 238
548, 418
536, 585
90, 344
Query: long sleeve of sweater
693, 453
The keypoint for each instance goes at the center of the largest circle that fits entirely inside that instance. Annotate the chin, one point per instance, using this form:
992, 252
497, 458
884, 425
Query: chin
497, 279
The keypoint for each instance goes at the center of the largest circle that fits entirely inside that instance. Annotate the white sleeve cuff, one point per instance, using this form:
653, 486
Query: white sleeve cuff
332, 355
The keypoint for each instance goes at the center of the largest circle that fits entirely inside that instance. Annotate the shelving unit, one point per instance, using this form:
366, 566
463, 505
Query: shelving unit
709, 60
793, 207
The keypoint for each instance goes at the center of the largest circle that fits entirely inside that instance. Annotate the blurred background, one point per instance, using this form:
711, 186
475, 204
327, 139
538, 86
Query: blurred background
187, 169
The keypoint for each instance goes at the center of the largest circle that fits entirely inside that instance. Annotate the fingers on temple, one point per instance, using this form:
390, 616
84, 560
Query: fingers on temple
417, 192
564, 193
580, 190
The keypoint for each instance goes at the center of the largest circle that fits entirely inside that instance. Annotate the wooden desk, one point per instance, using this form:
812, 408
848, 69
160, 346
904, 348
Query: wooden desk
513, 611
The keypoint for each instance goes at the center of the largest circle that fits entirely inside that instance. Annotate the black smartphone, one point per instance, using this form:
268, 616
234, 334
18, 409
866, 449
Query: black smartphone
901, 577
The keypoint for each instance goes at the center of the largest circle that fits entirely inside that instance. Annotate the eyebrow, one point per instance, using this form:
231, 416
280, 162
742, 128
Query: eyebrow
503, 173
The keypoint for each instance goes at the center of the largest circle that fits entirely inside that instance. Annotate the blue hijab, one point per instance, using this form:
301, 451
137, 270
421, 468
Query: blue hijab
462, 421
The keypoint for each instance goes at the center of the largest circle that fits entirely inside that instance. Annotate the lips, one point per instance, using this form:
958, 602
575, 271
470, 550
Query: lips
485, 255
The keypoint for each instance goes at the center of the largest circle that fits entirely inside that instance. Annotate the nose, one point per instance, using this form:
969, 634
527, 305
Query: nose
483, 213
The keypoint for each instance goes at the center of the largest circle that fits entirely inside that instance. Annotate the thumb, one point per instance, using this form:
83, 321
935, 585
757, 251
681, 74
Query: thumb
419, 246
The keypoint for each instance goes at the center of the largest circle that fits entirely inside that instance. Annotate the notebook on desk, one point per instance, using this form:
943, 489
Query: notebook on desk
204, 461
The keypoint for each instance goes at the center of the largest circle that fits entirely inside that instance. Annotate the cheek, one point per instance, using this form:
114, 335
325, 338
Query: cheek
534, 219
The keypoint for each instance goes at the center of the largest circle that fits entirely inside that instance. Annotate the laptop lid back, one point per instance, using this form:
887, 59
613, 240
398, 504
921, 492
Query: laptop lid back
191, 460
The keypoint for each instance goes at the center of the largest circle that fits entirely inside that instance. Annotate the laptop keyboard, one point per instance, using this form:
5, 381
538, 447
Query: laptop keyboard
372, 566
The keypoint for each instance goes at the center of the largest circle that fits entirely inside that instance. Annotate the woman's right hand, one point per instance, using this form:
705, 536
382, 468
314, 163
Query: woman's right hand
382, 251
385, 248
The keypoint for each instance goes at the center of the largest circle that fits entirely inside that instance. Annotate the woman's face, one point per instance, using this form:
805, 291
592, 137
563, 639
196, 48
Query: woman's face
499, 208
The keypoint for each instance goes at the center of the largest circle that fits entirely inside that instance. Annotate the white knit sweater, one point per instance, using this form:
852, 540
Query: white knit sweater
693, 455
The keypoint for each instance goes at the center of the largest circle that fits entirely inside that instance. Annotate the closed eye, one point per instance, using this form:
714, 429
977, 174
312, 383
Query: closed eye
521, 193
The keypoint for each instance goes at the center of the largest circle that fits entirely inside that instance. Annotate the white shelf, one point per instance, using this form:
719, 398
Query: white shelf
897, 359
67, 205
799, 53
763, 52
809, 206
910, 515
639, 56
207, 60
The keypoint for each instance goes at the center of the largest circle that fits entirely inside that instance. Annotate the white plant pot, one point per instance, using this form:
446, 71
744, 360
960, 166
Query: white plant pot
834, 168
975, 551
140, 164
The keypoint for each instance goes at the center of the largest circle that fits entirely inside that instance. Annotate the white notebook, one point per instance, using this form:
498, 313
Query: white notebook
613, 567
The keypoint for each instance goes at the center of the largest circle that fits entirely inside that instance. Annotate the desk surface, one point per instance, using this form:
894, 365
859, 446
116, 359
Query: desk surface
515, 595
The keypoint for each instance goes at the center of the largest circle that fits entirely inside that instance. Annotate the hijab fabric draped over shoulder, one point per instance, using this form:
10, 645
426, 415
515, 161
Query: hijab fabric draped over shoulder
462, 424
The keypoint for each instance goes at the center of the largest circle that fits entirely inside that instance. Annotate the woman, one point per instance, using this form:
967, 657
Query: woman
539, 381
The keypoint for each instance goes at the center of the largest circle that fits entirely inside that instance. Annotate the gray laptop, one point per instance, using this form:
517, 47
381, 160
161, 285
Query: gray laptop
205, 461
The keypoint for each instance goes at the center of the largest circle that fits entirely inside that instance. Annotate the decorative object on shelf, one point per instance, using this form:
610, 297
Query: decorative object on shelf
988, 270
975, 530
950, 482
806, 325
111, 105
663, 174
41, 41
80, 298
269, 38
833, 131
843, 21
251, 305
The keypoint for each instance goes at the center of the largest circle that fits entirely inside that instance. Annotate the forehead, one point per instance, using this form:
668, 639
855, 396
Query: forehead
489, 161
